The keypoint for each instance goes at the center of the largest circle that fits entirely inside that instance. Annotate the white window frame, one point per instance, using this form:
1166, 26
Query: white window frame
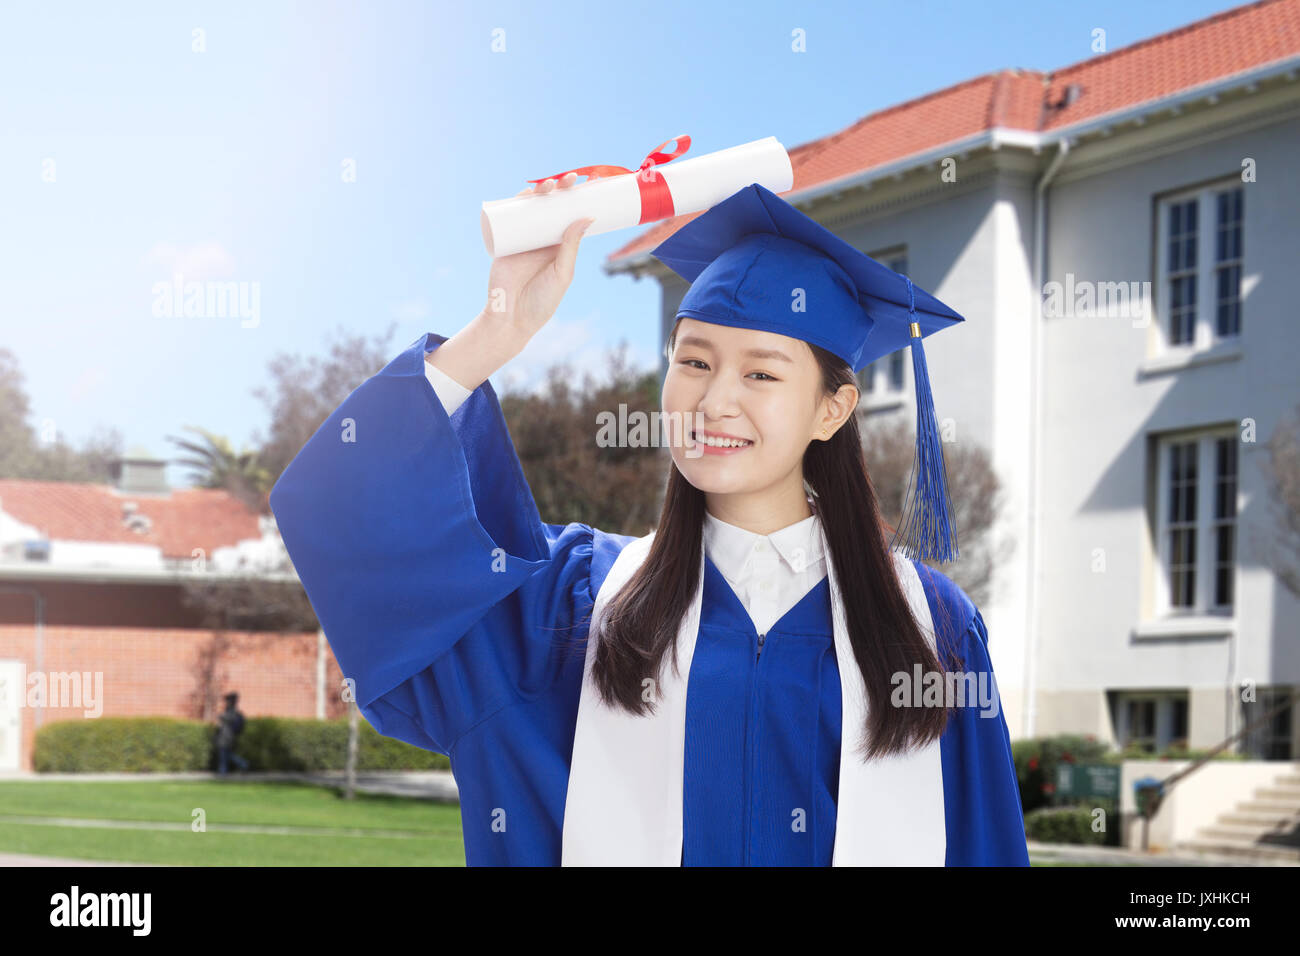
1206, 539
878, 378
1205, 333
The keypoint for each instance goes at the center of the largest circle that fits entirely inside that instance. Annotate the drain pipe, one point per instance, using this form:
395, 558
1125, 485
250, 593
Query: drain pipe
1029, 721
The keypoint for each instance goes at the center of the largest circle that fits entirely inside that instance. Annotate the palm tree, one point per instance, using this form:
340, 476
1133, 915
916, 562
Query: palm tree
216, 464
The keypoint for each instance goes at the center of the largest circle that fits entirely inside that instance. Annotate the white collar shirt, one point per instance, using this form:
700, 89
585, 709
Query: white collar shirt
769, 573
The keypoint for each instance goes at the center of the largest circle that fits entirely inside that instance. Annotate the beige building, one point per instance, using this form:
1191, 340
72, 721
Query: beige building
1120, 237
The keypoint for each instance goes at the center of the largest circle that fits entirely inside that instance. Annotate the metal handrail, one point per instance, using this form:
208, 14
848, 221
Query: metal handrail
1162, 789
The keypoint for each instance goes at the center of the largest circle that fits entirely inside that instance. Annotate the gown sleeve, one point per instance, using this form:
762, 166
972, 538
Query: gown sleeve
415, 535
987, 825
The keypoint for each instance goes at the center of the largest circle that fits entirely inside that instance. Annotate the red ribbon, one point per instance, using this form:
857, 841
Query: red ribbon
656, 198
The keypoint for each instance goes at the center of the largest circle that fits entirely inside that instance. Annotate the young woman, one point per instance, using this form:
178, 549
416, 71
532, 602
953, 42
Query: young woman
754, 682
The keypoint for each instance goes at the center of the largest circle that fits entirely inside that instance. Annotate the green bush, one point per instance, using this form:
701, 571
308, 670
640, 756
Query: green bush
166, 744
1037, 758
1068, 825
125, 744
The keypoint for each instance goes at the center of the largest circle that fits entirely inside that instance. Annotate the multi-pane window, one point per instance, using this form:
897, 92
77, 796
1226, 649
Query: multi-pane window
1200, 263
1182, 524
1152, 721
1227, 262
889, 371
896, 370
1272, 739
1141, 724
1181, 275
1197, 522
1224, 519
1178, 721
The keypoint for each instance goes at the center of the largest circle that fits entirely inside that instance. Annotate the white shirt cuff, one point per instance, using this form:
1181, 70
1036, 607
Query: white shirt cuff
450, 392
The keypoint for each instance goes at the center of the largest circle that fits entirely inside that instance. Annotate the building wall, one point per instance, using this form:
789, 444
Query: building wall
971, 243
1099, 414
96, 604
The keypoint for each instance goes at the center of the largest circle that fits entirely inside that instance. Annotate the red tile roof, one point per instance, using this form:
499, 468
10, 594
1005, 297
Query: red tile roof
1207, 50
183, 520
1200, 52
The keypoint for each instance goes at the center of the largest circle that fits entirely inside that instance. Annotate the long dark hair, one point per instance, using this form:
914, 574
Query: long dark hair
640, 623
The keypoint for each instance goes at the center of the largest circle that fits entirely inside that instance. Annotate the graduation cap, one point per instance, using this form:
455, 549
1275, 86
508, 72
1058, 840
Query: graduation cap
756, 262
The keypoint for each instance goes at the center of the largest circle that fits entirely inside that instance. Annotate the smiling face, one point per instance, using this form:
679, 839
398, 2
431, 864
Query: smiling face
762, 388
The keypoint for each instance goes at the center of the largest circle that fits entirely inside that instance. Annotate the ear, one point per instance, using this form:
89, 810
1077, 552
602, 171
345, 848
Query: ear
838, 409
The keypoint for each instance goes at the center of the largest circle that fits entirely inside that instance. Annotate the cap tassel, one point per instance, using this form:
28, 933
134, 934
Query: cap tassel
925, 530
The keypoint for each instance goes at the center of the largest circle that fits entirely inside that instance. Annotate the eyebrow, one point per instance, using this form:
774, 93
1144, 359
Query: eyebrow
751, 353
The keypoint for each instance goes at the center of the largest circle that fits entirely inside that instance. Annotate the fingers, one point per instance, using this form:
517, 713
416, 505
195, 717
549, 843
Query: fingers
564, 182
550, 185
568, 252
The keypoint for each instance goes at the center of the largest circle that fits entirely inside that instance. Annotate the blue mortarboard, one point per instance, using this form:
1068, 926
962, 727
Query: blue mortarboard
756, 262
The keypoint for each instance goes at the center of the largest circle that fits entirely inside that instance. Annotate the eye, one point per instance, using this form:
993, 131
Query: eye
697, 363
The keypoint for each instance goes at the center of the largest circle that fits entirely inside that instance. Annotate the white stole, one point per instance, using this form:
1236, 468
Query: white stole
624, 802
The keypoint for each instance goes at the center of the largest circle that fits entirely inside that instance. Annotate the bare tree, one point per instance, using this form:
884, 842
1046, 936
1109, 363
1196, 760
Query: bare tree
573, 477
1279, 543
248, 601
973, 487
303, 392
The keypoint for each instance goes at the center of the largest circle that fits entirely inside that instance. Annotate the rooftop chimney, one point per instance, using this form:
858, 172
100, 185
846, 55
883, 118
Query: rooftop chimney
138, 472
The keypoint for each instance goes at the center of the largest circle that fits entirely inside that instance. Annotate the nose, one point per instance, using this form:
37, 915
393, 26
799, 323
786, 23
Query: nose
719, 399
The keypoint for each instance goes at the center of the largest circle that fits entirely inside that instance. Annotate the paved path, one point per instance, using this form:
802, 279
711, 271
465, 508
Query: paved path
100, 823
437, 785
1038, 852
1068, 854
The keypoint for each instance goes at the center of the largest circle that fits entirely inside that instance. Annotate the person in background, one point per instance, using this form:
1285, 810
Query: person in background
230, 724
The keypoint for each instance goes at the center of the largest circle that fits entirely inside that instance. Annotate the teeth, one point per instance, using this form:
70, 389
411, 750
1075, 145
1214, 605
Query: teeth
720, 442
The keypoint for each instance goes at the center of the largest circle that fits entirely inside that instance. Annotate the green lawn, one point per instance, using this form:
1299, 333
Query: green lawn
370, 830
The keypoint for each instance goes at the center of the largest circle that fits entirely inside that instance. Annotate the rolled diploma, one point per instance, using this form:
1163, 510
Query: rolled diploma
521, 223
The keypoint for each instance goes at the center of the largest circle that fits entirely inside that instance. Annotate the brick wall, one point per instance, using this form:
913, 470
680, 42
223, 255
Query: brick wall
172, 671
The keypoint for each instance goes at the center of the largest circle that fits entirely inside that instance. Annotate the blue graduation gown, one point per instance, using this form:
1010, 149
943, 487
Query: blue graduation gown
462, 618
762, 760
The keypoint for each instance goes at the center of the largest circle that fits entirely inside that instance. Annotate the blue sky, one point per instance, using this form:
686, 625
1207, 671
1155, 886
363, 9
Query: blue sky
126, 155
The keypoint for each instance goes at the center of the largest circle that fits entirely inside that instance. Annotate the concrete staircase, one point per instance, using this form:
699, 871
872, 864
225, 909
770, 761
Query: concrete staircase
1264, 829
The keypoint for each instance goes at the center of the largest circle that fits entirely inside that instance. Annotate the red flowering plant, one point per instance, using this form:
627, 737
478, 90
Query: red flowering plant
1037, 759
